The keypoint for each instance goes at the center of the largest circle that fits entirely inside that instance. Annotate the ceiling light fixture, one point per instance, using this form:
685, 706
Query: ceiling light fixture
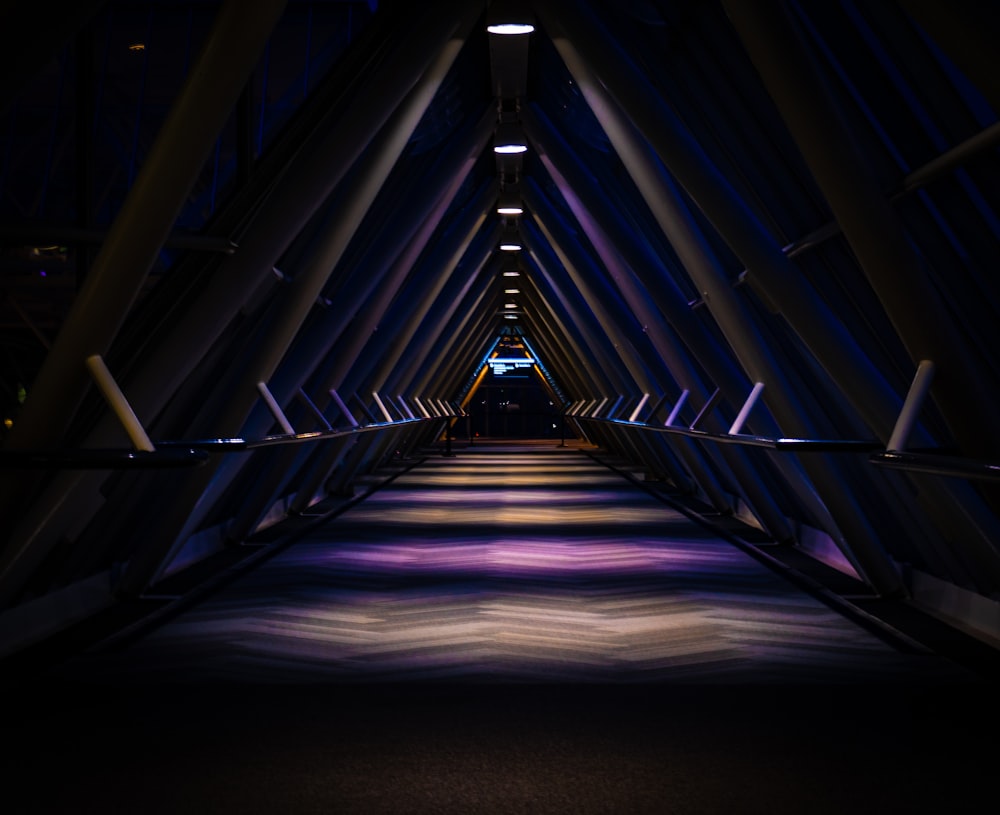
511, 267
510, 28
509, 202
509, 139
510, 239
509, 17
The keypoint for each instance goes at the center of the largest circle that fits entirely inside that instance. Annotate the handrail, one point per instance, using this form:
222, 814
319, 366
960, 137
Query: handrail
102, 459
174, 453
937, 464
921, 462
781, 444
238, 444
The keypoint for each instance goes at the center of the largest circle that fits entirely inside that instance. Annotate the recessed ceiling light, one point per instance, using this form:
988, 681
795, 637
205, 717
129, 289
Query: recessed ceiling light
510, 28
509, 139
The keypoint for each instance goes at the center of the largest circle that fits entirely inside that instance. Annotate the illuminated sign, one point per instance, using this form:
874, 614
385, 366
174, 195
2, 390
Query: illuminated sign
501, 365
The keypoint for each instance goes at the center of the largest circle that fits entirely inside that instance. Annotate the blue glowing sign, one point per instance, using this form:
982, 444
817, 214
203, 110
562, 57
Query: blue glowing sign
501, 365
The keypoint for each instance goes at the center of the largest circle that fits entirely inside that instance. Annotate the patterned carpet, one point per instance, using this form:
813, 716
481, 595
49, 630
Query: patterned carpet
511, 567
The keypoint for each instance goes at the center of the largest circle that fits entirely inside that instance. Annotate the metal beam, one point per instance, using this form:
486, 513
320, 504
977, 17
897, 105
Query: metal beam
272, 344
230, 53
867, 219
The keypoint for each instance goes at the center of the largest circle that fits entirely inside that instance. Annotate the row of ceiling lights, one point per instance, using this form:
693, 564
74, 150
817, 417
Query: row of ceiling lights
509, 146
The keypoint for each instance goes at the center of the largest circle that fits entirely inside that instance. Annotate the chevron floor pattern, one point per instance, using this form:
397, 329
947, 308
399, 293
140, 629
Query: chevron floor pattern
539, 566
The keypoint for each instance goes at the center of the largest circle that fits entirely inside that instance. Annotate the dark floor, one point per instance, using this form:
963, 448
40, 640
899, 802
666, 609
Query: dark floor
504, 632
440, 748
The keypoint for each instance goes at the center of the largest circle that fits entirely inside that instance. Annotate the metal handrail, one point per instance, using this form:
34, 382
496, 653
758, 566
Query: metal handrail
932, 463
102, 459
238, 444
937, 464
175, 453
781, 444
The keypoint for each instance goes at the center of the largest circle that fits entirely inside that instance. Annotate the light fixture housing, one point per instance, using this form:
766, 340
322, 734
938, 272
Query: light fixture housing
510, 28
510, 238
509, 202
509, 18
509, 139
511, 267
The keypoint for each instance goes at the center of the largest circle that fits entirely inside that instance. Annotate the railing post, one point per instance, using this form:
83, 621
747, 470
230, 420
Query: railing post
381, 406
741, 418
304, 398
118, 403
406, 407
343, 407
911, 406
275, 408
639, 407
677, 408
707, 408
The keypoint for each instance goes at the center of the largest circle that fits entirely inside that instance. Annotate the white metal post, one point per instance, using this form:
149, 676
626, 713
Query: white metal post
381, 406
343, 407
677, 408
275, 408
639, 407
747, 407
118, 403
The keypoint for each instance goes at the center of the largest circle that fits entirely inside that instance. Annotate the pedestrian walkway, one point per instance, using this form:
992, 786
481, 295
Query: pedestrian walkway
532, 564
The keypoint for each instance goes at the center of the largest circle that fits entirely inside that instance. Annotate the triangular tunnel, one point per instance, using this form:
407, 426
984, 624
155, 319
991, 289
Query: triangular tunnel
745, 247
